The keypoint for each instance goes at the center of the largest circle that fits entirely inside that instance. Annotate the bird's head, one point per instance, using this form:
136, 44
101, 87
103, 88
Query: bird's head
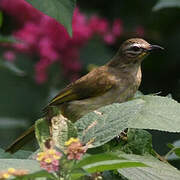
136, 49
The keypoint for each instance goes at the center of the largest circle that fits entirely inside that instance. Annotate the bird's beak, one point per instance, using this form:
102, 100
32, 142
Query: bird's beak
155, 47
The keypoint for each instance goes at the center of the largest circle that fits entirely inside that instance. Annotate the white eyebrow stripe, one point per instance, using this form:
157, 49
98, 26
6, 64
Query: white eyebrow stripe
135, 44
132, 45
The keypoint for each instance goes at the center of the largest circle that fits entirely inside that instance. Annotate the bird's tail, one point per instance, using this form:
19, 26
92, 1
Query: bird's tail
22, 140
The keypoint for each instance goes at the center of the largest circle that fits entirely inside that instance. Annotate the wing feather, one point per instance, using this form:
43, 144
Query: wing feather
93, 84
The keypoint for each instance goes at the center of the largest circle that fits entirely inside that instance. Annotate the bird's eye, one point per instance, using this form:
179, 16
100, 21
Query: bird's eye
135, 48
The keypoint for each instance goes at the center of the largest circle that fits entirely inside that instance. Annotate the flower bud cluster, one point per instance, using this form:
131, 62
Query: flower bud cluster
75, 149
12, 172
49, 160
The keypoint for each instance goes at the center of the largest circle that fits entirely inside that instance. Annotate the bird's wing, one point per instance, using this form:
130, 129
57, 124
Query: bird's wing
95, 83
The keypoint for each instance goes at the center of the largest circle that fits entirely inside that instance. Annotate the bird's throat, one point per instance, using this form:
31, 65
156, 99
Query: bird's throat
124, 64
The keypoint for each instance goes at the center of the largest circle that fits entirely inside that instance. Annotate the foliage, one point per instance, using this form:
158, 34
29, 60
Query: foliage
61, 10
30, 165
91, 134
147, 112
174, 152
42, 131
156, 170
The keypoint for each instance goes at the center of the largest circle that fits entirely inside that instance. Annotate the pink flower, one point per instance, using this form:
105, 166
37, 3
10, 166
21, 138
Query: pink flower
46, 49
49, 160
117, 28
47, 40
71, 55
81, 30
75, 150
41, 70
56, 32
20, 10
9, 55
22, 47
29, 34
98, 25
109, 38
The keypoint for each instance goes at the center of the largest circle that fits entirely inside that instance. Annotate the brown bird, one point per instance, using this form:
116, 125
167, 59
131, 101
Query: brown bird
115, 82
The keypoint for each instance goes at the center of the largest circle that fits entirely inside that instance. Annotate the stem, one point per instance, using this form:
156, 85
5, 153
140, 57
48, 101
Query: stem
169, 153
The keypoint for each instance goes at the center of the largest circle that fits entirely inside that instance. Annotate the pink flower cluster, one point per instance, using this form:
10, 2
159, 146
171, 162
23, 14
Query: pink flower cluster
44, 37
49, 160
75, 149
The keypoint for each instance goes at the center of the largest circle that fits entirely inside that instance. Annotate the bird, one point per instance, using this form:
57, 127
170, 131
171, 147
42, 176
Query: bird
115, 82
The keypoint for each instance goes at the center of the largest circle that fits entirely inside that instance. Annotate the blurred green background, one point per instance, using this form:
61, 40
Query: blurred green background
22, 99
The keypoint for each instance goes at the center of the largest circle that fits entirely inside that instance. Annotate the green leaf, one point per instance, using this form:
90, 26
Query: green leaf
96, 158
169, 145
161, 4
104, 124
30, 165
60, 131
145, 112
42, 132
138, 142
158, 113
4, 155
174, 153
157, 169
104, 162
112, 165
72, 130
21, 154
138, 94
177, 151
61, 10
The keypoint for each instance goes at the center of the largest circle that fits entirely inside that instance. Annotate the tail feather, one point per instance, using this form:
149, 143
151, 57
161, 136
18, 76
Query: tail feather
22, 140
